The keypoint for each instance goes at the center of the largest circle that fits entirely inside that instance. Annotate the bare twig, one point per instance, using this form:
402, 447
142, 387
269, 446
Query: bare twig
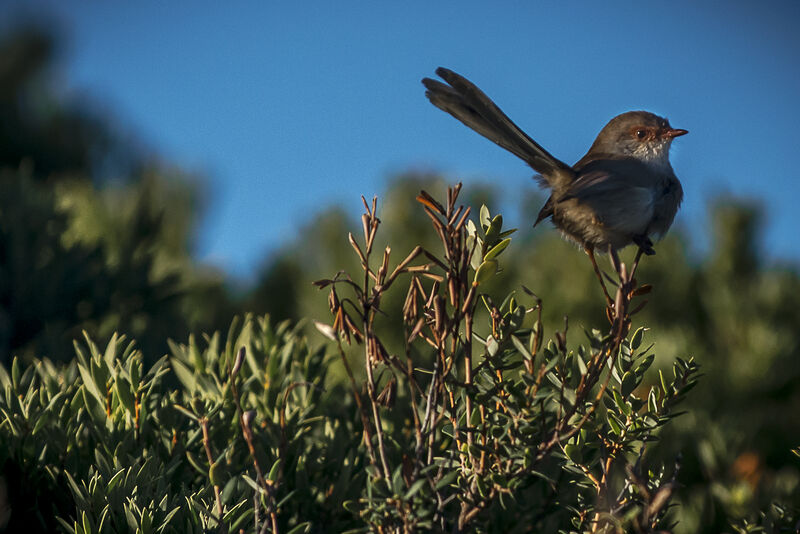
207, 446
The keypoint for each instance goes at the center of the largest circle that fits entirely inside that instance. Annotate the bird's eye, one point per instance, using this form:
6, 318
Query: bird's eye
640, 133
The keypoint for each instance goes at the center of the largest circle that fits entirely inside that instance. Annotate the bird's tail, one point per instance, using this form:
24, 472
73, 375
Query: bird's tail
464, 101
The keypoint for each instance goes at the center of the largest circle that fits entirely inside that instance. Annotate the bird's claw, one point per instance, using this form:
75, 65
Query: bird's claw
645, 245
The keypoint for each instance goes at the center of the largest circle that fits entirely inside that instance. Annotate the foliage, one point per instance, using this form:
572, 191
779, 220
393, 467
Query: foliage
99, 445
508, 435
477, 425
732, 307
252, 423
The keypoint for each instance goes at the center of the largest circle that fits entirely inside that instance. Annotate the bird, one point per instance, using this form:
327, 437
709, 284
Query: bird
623, 191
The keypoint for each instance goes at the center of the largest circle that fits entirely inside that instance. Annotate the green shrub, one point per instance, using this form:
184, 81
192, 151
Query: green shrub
474, 423
102, 447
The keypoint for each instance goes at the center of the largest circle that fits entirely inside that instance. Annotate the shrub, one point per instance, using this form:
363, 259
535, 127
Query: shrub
473, 423
493, 430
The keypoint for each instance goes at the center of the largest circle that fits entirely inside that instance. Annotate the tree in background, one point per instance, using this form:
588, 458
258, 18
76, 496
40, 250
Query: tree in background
95, 233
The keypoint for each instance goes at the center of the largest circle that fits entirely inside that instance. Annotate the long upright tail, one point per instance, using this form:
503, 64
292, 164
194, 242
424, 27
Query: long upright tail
464, 101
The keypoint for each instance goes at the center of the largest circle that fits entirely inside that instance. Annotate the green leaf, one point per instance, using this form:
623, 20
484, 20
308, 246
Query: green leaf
481, 484
114, 481
66, 526
168, 518
302, 527
94, 406
485, 218
664, 387
111, 351
507, 233
146, 522
554, 379
93, 350
645, 364
186, 412
652, 403
636, 339
135, 372
86, 521
106, 513
100, 373
88, 382
581, 364
446, 480
185, 376
40, 423
475, 259
415, 487
77, 492
497, 224
486, 270
471, 230
194, 462
273, 472
133, 524
621, 404
497, 249
195, 357
15, 373
629, 383
523, 350
615, 428
492, 346
123, 390
573, 452
5, 379
285, 499
353, 507
253, 484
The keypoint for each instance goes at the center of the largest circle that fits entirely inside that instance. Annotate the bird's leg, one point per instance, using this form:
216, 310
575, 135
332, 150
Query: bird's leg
636, 261
590, 253
615, 261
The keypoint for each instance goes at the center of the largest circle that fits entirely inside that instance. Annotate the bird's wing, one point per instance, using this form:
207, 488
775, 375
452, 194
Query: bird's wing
621, 201
546, 211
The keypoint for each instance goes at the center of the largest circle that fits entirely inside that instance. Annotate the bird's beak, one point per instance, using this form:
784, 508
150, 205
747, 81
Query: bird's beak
673, 132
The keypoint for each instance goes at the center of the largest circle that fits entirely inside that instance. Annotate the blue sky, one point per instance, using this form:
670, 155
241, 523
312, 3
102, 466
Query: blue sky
286, 108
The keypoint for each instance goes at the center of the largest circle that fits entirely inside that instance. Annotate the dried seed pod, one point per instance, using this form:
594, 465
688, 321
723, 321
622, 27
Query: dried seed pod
239, 360
247, 418
388, 395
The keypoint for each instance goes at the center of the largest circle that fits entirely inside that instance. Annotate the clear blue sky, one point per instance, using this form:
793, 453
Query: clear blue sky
287, 107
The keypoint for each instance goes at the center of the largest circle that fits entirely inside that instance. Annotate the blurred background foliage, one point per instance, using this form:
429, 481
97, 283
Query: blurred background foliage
96, 234
95, 231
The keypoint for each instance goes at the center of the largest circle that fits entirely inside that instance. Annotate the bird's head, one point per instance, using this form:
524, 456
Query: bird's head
638, 134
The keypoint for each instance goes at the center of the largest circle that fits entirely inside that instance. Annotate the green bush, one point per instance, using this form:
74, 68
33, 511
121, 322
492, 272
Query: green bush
101, 447
475, 424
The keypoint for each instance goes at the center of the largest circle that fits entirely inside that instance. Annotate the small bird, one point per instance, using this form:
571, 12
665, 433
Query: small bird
622, 191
